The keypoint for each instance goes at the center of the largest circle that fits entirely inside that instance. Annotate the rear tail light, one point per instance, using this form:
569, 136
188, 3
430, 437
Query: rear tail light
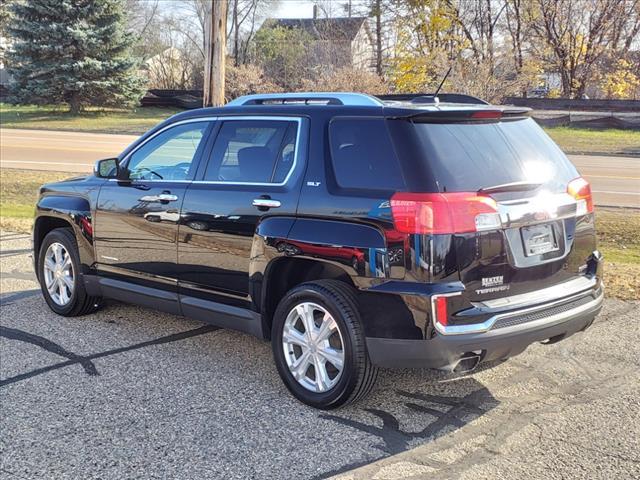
580, 189
444, 213
441, 313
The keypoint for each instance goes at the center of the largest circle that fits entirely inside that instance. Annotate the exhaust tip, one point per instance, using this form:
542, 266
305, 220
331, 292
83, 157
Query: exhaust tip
552, 340
468, 362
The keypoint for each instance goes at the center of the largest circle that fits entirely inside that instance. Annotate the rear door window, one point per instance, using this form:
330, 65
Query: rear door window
253, 151
363, 156
473, 155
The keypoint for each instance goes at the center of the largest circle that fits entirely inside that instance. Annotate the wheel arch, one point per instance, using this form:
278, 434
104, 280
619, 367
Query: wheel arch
65, 211
288, 251
284, 273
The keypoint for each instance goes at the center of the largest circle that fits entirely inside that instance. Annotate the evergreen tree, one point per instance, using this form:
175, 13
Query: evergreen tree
74, 52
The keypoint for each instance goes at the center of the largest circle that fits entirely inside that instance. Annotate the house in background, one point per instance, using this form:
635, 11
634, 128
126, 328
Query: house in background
338, 42
170, 69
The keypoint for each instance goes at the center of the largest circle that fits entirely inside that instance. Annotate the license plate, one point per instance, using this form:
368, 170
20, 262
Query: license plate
539, 239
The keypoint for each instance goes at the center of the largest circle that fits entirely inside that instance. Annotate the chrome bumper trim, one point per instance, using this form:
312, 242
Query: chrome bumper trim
571, 287
542, 208
547, 321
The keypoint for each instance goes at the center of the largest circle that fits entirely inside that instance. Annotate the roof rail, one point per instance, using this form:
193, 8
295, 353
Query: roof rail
308, 98
430, 98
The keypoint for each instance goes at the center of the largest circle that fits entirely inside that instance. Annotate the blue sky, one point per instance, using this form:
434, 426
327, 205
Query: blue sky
304, 8
286, 8
294, 9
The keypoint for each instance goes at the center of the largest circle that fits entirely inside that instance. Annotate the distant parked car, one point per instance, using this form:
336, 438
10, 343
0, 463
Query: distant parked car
539, 92
353, 232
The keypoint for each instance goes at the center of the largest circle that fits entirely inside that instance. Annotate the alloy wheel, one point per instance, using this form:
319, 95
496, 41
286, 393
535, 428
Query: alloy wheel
313, 347
58, 274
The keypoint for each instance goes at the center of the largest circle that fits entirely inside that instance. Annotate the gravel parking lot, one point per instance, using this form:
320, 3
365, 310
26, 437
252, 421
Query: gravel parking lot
132, 393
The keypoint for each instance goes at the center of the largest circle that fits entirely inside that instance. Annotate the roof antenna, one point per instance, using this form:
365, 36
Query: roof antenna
446, 75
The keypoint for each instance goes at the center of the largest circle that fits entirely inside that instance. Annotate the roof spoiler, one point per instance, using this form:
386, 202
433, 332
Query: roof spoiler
431, 98
493, 113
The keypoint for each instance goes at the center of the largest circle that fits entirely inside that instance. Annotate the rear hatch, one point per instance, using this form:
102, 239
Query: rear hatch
521, 215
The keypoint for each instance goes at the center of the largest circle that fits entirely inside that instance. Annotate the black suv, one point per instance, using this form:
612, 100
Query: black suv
354, 232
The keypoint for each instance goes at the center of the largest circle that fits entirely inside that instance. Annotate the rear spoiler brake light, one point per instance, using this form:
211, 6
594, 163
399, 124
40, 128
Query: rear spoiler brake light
487, 114
466, 115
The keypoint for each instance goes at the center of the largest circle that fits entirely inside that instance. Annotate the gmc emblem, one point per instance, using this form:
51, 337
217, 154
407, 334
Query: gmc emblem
539, 216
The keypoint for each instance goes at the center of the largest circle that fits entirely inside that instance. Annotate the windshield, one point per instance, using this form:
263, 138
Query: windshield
471, 156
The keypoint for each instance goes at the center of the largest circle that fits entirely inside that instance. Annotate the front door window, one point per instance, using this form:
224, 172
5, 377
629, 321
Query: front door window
168, 156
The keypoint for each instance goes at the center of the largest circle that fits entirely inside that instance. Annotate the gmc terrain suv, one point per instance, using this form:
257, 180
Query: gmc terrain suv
354, 232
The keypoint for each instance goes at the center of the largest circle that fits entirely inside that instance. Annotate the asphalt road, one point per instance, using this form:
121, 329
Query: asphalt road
615, 180
131, 393
56, 150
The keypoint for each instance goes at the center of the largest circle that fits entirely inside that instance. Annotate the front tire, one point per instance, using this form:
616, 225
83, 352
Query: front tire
60, 275
319, 345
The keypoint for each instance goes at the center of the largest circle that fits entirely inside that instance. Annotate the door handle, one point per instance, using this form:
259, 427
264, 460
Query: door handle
167, 197
163, 197
266, 203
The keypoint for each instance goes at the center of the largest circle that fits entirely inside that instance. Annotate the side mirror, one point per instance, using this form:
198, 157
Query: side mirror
107, 168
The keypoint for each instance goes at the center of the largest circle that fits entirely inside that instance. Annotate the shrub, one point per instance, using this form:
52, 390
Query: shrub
346, 80
245, 80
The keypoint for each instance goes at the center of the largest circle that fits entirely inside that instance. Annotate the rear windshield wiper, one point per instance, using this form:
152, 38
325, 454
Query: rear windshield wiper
511, 187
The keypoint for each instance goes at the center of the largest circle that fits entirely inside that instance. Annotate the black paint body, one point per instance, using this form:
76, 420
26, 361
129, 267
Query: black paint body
213, 256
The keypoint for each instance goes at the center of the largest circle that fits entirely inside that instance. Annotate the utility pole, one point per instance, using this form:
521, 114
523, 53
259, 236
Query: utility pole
215, 55
378, 9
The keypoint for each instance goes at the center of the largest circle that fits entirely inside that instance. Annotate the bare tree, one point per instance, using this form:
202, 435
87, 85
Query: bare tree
177, 63
578, 33
625, 33
144, 20
242, 23
478, 21
243, 18
141, 15
194, 16
381, 13
516, 25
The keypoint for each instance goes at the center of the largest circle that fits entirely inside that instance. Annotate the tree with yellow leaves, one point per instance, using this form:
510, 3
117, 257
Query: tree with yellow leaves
623, 82
580, 33
426, 43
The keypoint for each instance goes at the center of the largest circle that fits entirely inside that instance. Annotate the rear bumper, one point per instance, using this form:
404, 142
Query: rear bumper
550, 322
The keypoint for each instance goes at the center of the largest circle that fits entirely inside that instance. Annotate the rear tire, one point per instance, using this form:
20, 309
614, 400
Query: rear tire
60, 275
333, 345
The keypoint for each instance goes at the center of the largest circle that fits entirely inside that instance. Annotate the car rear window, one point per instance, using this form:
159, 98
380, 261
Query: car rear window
362, 155
472, 155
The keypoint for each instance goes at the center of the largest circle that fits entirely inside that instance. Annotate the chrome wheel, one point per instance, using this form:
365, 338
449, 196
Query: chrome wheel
58, 274
313, 347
